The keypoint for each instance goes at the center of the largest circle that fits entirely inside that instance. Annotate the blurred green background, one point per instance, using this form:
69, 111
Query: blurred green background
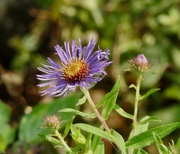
28, 32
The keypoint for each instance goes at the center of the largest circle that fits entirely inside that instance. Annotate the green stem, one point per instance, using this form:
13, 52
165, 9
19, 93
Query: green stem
62, 141
136, 106
101, 119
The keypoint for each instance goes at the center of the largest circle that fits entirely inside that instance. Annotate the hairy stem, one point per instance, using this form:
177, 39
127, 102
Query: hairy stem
62, 141
101, 119
136, 106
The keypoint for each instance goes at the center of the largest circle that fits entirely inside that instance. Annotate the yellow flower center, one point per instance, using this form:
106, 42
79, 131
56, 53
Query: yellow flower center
75, 71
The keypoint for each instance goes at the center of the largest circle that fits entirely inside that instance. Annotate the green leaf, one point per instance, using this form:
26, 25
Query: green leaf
81, 101
118, 139
52, 139
5, 112
132, 86
7, 133
122, 112
141, 128
67, 128
100, 148
88, 145
148, 119
141, 151
109, 100
77, 136
114, 137
138, 151
165, 149
149, 93
146, 138
159, 143
95, 141
143, 124
178, 144
70, 110
3, 143
157, 139
30, 123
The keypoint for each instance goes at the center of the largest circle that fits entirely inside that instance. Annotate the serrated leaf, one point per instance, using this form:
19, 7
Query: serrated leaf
122, 112
109, 100
70, 110
146, 138
97, 131
148, 93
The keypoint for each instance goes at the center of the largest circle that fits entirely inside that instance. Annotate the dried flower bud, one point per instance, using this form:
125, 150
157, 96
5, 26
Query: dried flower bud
52, 122
139, 64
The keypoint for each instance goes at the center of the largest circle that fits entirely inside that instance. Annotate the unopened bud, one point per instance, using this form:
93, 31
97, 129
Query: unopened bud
77, 136
139, 64
52, 122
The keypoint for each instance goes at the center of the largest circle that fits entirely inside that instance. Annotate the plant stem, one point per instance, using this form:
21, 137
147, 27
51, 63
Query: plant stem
139, 79
62, 141
101, 119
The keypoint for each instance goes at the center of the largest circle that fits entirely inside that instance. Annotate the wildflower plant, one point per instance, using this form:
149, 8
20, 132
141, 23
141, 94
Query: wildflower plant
82, 67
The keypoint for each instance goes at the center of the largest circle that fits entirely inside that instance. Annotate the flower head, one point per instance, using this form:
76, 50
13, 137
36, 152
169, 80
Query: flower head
139, 64
78, 67
52, 122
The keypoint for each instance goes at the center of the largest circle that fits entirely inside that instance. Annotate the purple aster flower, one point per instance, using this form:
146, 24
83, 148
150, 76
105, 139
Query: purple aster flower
78, 67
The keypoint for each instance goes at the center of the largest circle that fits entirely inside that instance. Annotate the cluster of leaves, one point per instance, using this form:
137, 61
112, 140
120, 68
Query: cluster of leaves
93, 143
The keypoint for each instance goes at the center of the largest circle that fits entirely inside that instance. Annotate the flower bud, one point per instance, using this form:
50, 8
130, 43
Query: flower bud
77, 136
52, 122
139, 64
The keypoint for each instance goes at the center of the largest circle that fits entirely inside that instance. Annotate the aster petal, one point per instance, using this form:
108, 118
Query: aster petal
43, 70
79, 50
74, 49
55, 65
88, 50
67, 49
62, 55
